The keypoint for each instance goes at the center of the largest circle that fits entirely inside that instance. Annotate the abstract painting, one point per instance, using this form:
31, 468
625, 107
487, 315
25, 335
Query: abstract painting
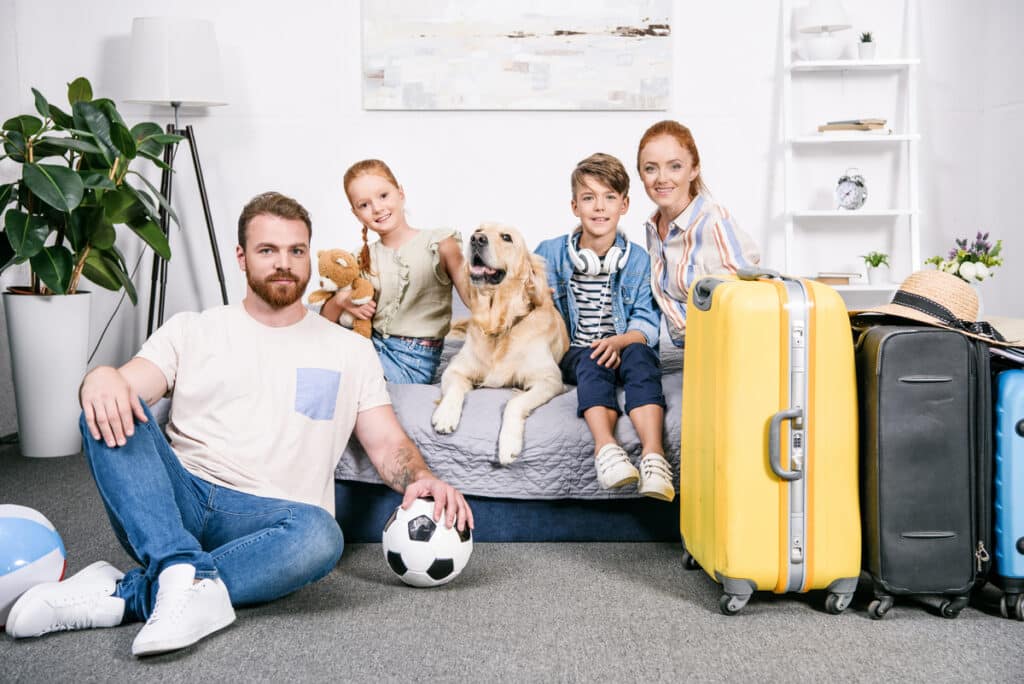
517, 54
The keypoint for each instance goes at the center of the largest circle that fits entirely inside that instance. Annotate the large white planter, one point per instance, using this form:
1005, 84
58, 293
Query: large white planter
49, 342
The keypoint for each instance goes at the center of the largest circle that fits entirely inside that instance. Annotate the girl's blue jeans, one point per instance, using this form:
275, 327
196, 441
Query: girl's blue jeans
163, 515
408, 360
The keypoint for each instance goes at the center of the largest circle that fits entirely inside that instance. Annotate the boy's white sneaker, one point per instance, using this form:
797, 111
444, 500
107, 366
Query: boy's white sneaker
613, 467
185, 612
82, 601
656, 478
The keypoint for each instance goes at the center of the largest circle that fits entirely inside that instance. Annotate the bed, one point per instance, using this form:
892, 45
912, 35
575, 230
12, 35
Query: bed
550, 493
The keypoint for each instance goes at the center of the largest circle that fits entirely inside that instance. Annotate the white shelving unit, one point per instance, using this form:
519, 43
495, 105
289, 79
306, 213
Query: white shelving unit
905, 215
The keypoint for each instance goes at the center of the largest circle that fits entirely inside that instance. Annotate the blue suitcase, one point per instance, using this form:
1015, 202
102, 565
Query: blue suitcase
1009, 492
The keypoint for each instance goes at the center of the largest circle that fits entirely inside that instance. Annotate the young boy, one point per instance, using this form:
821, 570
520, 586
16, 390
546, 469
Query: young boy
602, 287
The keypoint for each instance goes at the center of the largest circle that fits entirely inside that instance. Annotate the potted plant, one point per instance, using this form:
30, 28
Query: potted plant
61, 216
866, 46
877, 264
973, 262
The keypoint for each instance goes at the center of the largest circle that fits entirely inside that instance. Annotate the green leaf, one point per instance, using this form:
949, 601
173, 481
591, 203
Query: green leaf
142, 133
156, 193
26, 233
83, 146
100, 232
15, 147
102, 269
25, 124
154, 237
6, 253
88, 116
6, 193
79, 90
44, 148
42, 106
61, 118
122, 206
54, 266
94, 180
123, 140
108, 107
60, 187
168, 138
160, 163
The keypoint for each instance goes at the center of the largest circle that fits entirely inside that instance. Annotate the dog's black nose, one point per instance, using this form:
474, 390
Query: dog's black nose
478, 240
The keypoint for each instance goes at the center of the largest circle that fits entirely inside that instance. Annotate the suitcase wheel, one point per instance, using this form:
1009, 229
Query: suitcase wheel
689, 562
837, 603
1012, 606
879, 607
951, 608
730, 604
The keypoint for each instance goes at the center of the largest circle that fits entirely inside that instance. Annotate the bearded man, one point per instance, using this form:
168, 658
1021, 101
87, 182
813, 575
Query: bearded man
235, 506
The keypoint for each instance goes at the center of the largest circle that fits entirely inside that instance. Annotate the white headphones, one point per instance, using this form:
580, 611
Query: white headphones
586, 262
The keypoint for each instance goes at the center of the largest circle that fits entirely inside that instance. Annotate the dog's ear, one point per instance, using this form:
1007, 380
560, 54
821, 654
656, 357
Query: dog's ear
537, 287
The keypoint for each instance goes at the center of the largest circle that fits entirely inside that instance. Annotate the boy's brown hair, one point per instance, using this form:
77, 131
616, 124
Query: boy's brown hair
272, 204
606, 169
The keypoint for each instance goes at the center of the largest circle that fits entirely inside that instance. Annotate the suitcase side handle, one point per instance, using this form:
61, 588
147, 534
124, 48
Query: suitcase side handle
757, 273
774, 459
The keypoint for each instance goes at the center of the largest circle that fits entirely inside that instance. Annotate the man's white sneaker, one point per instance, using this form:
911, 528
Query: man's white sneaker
656, 478
82, 601
613, 467
185, 612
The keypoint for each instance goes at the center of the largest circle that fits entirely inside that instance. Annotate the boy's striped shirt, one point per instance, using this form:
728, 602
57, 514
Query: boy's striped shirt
594, 304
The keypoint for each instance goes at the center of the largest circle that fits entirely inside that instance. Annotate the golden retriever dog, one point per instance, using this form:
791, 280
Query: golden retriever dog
515, 336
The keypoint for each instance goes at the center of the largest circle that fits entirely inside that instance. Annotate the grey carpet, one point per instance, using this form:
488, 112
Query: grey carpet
519, 612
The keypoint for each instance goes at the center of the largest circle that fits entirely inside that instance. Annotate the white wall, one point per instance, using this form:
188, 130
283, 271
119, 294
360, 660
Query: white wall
295, 123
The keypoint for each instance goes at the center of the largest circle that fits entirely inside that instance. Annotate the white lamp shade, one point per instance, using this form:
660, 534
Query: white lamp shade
823, 16
175, 59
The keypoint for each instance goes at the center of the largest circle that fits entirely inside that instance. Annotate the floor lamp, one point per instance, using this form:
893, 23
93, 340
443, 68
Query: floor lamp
175, 61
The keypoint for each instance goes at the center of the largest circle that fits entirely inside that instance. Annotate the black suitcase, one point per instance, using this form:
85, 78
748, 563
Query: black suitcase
926, 464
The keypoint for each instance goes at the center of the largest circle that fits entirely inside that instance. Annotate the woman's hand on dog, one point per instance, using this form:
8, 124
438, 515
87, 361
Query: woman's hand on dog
447, 500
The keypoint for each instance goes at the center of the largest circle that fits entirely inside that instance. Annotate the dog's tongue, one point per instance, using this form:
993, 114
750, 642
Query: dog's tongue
481, 270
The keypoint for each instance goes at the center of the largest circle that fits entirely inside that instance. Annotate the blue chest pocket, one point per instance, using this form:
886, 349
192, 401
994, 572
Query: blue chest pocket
316, 392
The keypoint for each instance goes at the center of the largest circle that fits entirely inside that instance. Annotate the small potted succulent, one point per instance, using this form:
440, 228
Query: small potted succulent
877, 264
866, 46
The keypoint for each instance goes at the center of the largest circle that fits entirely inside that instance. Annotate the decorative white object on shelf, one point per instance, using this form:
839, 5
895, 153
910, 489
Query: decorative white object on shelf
866, 46
851, 190
820, 20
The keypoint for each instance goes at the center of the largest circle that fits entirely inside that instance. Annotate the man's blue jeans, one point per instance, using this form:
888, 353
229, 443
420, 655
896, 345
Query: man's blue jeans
163, 515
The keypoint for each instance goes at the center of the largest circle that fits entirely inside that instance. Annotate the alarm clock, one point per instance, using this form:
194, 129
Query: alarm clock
851, 190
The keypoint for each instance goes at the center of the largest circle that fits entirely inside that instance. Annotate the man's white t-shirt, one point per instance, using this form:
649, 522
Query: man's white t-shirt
263, 410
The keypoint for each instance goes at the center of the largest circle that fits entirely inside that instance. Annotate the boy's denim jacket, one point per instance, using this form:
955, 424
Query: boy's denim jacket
633, 306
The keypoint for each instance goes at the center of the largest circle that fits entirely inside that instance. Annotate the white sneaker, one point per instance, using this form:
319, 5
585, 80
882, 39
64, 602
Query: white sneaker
613, 467
656, 478
185, 612
82, 601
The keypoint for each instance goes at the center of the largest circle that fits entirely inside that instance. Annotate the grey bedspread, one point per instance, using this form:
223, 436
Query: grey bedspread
557, 461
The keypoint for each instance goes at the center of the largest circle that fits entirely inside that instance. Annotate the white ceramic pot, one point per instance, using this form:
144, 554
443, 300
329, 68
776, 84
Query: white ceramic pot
866, 50
49, 343
879, 275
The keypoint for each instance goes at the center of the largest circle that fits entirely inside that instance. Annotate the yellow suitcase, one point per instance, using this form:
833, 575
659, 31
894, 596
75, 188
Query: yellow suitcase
768, 467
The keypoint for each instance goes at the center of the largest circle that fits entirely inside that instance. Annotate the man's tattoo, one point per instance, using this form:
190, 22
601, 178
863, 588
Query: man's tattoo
400, 475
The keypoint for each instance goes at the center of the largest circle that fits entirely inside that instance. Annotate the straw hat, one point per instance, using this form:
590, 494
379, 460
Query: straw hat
940, 299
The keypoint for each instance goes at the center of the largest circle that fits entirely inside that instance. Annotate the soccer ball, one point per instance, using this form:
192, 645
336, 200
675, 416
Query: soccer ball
424, 553
31, 552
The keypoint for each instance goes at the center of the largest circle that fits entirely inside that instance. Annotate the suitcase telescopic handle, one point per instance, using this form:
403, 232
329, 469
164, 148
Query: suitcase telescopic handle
757, 274
773, 444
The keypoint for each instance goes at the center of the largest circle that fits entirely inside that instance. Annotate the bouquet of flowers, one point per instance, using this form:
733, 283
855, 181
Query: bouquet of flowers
971, 262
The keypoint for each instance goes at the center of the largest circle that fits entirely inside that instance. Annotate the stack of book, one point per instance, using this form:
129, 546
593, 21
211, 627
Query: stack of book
872, 125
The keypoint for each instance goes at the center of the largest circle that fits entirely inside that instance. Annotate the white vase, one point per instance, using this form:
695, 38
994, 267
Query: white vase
866, 50
49, 343
878, 275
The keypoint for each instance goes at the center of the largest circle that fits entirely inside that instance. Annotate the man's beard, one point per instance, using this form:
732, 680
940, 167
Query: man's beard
278, 295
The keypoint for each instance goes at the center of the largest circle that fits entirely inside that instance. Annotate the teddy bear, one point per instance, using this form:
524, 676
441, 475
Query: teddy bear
339, 270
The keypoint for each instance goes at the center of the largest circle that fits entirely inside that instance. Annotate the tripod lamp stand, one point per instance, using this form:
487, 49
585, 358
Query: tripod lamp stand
175, 61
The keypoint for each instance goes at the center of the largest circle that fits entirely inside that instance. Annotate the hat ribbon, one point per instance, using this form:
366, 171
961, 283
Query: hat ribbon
945, 316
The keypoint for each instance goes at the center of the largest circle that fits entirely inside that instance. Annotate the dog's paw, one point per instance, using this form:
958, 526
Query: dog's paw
510, 443
446, 418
